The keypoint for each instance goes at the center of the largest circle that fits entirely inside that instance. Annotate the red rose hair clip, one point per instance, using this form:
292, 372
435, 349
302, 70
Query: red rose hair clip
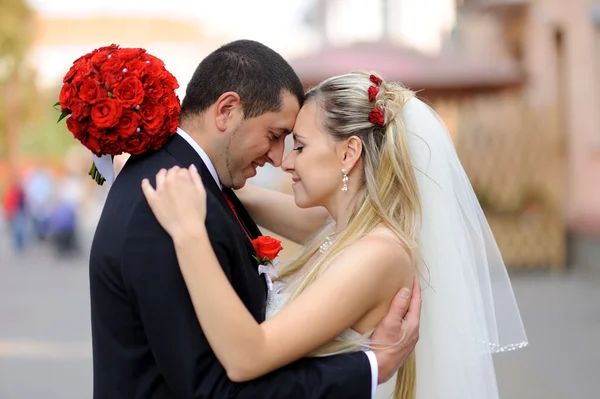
373, 93
376, 115
377, 81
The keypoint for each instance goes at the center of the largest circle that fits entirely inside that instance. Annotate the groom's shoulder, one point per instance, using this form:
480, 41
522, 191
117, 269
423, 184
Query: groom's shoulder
125, 195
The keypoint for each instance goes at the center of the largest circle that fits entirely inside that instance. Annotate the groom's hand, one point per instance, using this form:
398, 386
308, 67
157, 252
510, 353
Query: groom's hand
401, 326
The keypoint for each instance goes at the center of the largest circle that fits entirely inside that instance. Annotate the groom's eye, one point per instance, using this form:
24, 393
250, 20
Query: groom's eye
274, 136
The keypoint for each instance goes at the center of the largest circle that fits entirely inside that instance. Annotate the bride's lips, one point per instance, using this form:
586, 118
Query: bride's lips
295, 180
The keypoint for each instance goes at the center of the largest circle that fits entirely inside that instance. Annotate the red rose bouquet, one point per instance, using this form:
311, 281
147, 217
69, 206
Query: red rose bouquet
119, 100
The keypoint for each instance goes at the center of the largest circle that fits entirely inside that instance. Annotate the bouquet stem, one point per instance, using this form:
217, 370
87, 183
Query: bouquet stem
95, 174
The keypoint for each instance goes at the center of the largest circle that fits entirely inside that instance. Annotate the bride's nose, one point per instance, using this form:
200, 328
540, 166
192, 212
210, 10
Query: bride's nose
288, 162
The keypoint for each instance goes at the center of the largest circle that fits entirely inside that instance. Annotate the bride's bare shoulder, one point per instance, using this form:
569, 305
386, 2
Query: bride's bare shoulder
382, 251
386, 239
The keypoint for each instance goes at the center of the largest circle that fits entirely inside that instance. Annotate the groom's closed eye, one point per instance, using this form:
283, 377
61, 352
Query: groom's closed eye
278, 134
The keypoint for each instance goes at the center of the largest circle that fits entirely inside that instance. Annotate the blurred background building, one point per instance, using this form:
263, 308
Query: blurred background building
517, 83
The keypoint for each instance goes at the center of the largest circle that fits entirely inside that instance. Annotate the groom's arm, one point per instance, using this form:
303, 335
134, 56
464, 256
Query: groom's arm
182, 353
341, 376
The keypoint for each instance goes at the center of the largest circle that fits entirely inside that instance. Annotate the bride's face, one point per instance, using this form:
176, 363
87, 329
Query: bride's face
314, 162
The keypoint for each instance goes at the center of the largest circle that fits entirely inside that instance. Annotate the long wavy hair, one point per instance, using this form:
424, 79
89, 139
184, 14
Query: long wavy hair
389, 194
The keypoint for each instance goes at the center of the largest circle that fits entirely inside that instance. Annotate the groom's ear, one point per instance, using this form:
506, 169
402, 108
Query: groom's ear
228, 109
351, 152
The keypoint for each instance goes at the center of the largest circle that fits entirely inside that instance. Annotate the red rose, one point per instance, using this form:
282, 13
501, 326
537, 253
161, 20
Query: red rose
153, 60
70, 74
83, 70
155, 70
153, 88
129, 92
376, 80
152, 116
376, 116
171, 102
373, 93
170, 82
106, 113
84, 57
158, 140
172, 123
137, 143
110, 146
93, 144
91, 91
130, 53
111, 79
266, 247
67, 93
79, 109
136, 68
95, 132
128, 123
112, 47
101, 54
112, 64
77, 128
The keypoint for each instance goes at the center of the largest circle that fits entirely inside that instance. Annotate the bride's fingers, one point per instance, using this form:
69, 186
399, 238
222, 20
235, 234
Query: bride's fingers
160, 178
149, 192
183, 176
172, 174
195, 176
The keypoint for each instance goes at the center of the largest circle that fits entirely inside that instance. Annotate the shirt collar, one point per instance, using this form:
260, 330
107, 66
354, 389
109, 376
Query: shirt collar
200, 151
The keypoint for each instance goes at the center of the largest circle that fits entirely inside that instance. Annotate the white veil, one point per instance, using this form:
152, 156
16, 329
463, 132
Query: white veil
469, 309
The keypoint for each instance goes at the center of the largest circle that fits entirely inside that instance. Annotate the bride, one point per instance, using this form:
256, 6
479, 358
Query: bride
379, 165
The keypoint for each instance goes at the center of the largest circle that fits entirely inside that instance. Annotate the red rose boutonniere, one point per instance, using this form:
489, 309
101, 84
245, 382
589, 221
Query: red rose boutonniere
267, 248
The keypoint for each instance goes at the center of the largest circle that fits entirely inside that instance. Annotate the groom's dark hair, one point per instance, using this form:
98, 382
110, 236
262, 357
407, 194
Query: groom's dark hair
255, 72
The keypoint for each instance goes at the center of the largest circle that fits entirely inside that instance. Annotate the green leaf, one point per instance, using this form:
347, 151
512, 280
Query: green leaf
62, 116
57, 103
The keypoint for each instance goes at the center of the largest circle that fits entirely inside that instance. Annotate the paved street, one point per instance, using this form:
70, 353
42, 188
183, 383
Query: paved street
45, 332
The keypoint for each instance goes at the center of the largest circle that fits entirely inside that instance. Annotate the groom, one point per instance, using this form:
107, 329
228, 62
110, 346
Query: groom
147, 343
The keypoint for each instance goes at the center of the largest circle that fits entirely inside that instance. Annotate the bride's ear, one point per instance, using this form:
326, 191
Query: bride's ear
351, 153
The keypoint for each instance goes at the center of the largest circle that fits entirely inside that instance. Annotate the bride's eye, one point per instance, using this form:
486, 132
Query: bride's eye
299, 148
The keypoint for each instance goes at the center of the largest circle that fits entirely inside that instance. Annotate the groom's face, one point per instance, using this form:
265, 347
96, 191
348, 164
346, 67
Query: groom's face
257, 141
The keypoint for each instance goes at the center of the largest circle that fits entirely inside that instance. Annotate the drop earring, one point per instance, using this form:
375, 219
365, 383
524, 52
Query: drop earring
344, 180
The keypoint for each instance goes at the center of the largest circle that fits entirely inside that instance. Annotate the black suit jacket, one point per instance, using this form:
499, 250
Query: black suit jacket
147, 342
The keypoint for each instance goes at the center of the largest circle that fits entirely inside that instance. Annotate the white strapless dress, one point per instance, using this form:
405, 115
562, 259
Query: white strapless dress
276, 300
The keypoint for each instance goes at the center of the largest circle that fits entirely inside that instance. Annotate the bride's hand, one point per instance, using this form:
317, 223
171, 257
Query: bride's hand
179, 200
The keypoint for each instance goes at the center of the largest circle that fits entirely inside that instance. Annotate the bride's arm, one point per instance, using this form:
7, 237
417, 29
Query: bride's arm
279, 213
363, 277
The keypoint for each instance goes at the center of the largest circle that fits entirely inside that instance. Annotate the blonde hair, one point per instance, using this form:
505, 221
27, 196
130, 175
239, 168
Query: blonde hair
389, 195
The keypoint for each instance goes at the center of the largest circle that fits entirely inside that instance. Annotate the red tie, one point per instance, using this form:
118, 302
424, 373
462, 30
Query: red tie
236, 215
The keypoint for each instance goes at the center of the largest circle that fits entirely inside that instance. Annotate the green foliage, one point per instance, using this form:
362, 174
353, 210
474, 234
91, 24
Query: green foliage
16, 31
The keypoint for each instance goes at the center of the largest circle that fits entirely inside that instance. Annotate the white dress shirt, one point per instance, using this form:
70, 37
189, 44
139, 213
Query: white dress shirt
213, 172
200, 151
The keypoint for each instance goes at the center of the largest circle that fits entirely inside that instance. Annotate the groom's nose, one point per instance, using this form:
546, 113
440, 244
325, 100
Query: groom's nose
275, 154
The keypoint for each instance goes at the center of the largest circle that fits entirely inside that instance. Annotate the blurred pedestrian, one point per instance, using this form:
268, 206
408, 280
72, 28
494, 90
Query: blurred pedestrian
15, 211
